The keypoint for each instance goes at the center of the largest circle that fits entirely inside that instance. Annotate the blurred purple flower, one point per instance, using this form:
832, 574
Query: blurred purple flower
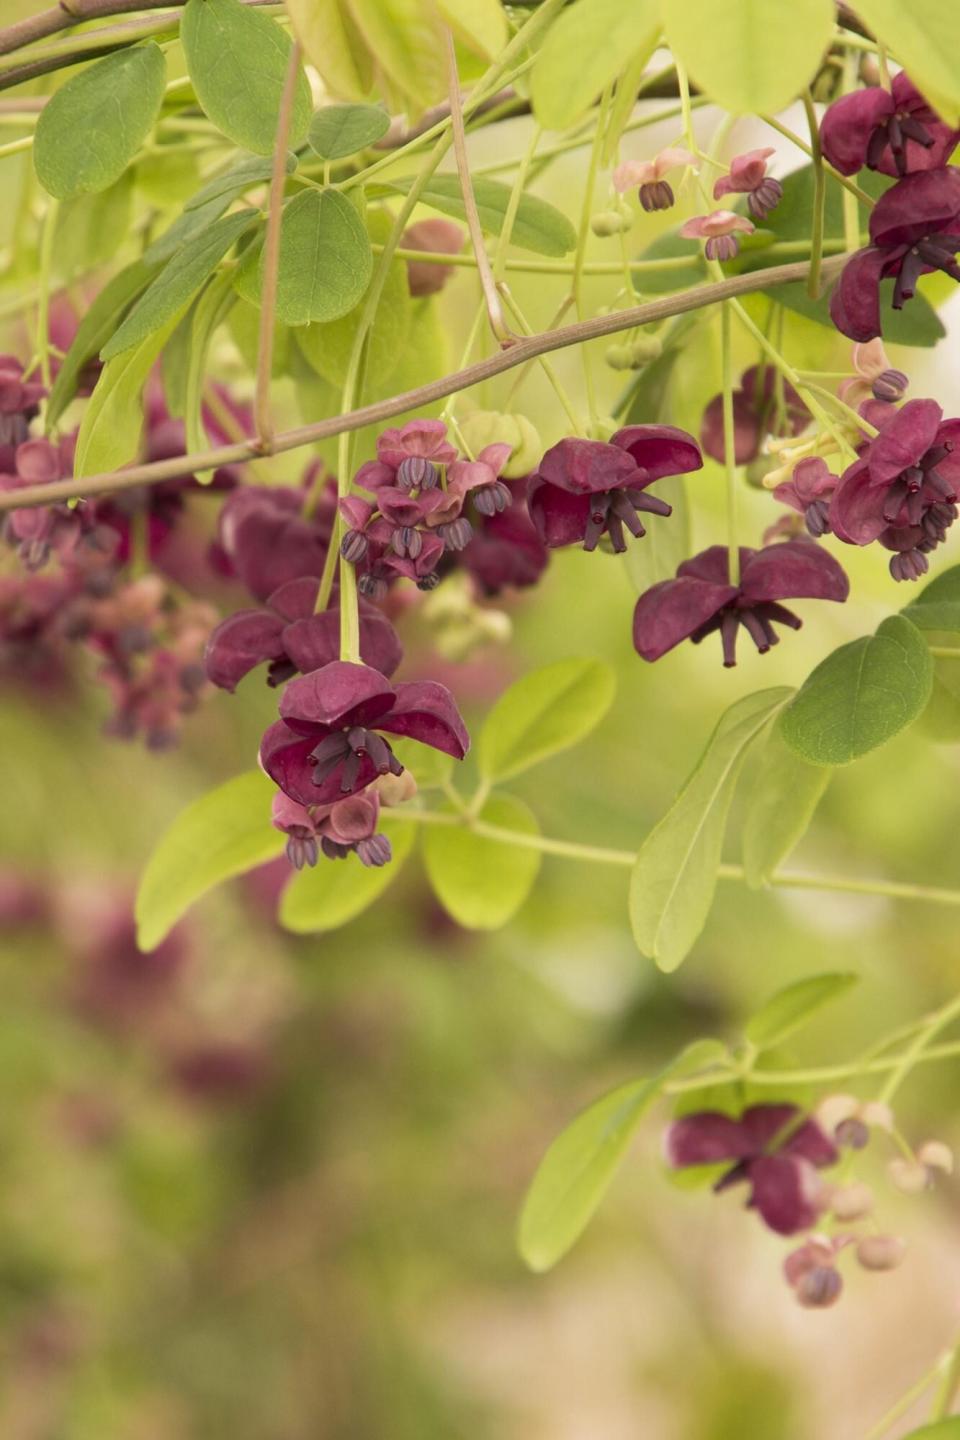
753, 414
894, 131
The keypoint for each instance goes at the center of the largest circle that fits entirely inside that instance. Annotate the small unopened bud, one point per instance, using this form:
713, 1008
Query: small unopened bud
936, 1156
456, 534
372, 587
407, 541
395, 789
877, 1115
852, 1133
852, 1202
910, 1177
492, 499
609, 222
416, 473
819, 1287
374, 852
891, 385
429, 582
354, 546
490, 427
618, 357
880, 1252
645, 348
656, 195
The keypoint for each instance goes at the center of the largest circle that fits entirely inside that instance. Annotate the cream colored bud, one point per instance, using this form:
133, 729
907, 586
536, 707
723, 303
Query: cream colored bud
490, 427
881, 1252
645, 348
618, 357
877, 1115
936, 1156
851, 1202
834, 1109
395, 789
908, 1176
609, 222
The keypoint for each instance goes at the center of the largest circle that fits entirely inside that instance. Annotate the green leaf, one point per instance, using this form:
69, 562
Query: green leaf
211, 308
791, 1008
224, 833
784, 793
480, 25
94, 330
675, 875
945, 586
860, 696
325, 258
577, 1171
183, 230
407, 42
235, 181
336, 891
749, 55
917, 324
113, 419
940, 615
585, 49
541, 714
480, 882
237, 60
538, 226
924, 36
430, 768
177, 283
936, 611
91, 228
948, 1429
174, 363
244, 327
339, 130
332, 43
90, 130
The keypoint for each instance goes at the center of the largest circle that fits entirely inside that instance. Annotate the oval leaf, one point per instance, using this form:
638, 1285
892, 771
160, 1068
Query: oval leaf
749, 55
224, 833
237, 60
537, 226
234, 182
90, 130
860, 696
177, 283
406, 40
339, 130
791, 1008
675, 875
543, 713
325, 258
781, 802
587, 47
480, 882
925, 38
333, 45
336, 891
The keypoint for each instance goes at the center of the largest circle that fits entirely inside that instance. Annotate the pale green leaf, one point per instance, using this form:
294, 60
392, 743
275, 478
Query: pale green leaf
480, 25
481, 882
537, 226
675, 875
407, 41
860, 696
244, 327
90, 129
546, 711
180, 279
749, 55
791, 1008
91, 228
784, 793
339, 130
237, 59
325, 258
211, 308
585, 49
332, 43
430, 768
924, 36
224, 833
948, 1429
334, 892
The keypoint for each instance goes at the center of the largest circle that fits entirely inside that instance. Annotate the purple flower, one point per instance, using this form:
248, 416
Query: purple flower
327, 744
655, 192
347, 826
902, 488
586, 487
774, 1149
748, 176
289, 637
506, 549
894, 131
808, 491
718, 229
701, 598
263, 534
19, 404
753, 416
915, 228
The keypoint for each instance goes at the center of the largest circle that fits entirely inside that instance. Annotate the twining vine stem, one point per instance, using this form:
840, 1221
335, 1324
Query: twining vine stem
524, 350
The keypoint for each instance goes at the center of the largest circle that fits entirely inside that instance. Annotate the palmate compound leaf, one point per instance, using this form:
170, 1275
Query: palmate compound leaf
578, 1168
224, 833
791, 1008
481, 882
587, 46
546, 711
784, 792
860, 696
334, 892
237, 59
675, 874
90, 129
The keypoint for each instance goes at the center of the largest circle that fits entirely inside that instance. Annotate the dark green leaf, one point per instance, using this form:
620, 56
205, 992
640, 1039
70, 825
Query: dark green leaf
185, 228
238, 60
177, 283
538, 226
235, 181
916, 324
791, 1008
339, 130
325, 258
860, 696
90, 130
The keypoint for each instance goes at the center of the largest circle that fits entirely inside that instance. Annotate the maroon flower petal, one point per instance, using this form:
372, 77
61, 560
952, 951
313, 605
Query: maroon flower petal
295, 599
239, 644
558, 517
848, 124
352, 819
904, 440
949, 467
270, 548
586, 467
855, 302
713, 564
334, 696
705, 1138
746, 430
315, 642
673, 610
856, 509
284, 755
793, 569
765, 1123
427, 712
787, 1193
660, 450
919, 205
810, 1143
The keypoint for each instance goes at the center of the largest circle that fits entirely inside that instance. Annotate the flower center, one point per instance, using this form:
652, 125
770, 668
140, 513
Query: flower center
346, 750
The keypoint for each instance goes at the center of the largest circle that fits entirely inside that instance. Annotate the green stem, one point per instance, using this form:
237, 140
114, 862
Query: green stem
844, 180
544, 364
851, 213
819, 199
947, 1389
729, 453
43, 305
464, 260
944, 652
15, 147
900, 1407
921, 1042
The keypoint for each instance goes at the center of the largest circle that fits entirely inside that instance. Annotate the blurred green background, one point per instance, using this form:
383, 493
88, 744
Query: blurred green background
265, 1188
